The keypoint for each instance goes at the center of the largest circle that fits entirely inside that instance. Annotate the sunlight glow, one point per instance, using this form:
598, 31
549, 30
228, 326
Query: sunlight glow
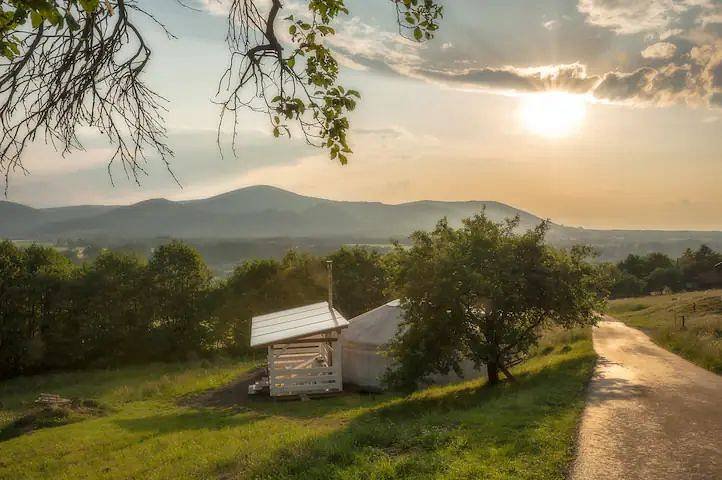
552, 114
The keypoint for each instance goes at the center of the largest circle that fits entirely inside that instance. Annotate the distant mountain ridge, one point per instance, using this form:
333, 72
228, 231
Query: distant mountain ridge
261, 211
252, 212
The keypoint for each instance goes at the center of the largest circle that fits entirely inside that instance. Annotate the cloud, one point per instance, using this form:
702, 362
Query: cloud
214, 7
570, 78
368, 45
638, 16
661, 50
682, 64
551, 24
695, 80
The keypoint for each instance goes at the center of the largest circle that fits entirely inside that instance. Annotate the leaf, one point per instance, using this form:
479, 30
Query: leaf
89, 5
36, 19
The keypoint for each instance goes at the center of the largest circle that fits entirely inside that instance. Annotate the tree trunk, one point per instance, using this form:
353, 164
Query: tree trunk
508, 374
492, 372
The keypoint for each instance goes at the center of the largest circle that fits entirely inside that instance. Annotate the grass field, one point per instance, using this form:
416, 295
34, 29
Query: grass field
700, 341
524, 430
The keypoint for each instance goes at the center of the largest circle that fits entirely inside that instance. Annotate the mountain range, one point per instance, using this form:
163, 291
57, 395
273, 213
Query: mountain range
260, 212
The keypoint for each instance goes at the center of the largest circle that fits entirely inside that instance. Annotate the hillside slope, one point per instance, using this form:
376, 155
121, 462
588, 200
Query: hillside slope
253, 212
262, 212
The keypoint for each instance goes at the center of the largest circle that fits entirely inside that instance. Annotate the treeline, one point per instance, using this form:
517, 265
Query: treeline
121, 309
657, 273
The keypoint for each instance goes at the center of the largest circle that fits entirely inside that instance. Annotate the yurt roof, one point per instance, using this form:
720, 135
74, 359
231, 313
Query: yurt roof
376, 327
280, 327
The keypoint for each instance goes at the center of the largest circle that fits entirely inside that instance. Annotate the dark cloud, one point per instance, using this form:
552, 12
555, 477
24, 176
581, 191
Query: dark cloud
667, 85
624, 86
571, 78
716, 74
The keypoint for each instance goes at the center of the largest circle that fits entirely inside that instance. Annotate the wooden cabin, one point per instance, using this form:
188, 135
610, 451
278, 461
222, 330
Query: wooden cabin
304, 354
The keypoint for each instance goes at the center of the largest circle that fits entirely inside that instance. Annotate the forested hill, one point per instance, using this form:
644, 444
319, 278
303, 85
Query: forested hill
262, 212
253, 212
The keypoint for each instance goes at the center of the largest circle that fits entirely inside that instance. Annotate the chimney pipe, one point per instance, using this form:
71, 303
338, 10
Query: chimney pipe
329, 267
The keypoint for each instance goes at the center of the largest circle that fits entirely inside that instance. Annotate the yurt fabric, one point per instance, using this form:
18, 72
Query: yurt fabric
363, 342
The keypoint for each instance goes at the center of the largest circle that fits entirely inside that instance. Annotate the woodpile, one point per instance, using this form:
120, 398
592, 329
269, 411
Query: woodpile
52, 400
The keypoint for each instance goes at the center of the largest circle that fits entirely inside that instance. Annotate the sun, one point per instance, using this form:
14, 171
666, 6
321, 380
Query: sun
552, 114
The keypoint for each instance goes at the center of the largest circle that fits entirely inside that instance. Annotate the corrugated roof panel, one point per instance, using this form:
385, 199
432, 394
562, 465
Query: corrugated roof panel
294, 323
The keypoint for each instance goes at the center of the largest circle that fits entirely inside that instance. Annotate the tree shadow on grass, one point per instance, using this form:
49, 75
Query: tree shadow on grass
417, 436
201, 419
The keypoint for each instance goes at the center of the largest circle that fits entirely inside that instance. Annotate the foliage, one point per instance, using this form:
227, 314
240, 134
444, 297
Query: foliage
178, 281
119, 309
262, 286
360, 280
519, 431
654, 273
68, 64
114, 309
699, 267
484, 293
33, 297
75, 63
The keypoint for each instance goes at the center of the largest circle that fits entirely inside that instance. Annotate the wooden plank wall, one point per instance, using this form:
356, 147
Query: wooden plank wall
304, 367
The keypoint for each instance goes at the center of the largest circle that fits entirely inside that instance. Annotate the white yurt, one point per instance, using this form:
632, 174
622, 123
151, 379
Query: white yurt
363, 342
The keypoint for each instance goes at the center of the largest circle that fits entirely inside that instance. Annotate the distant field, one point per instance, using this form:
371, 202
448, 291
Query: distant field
700, 341
516, 431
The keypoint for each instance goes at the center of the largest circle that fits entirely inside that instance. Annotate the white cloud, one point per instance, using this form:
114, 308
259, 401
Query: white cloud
631, 16
364, 43
551, 24
662, 50
214, 7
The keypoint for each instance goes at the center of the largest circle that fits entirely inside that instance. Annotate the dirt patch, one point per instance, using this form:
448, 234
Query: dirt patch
228, 396
235, 394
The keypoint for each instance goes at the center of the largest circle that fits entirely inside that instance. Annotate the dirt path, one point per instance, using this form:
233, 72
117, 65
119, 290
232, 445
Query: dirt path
650, 414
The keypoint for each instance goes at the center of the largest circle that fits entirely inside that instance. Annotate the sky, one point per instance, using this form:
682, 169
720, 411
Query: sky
594, 113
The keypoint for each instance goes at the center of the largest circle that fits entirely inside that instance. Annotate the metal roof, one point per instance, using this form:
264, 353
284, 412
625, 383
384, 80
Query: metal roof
298, 322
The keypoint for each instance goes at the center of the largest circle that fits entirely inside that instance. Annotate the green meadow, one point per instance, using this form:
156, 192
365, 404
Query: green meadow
145, 430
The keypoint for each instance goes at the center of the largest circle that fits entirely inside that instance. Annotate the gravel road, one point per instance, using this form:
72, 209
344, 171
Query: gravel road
650, 414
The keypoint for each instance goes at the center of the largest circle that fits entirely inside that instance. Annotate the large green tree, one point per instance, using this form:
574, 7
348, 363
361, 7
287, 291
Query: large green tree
484, 292
33, 305
113, 302
74, 63
177, 284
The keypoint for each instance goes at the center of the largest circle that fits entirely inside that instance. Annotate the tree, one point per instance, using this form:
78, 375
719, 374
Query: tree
665, 278
642, 266
33, 305
177, 285
72, 63
263, 286
698, 267
627, 285
483, 292
360, 280
13, 310
113, 303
